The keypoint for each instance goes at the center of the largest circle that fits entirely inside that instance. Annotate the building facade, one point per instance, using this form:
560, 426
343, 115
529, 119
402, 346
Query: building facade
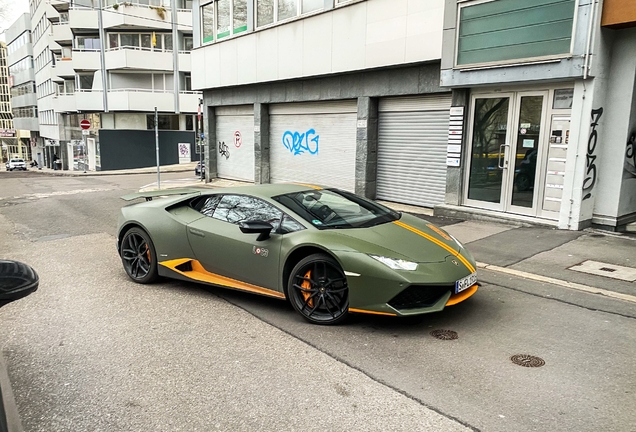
112, 63
8, 141
546, 91
22, 88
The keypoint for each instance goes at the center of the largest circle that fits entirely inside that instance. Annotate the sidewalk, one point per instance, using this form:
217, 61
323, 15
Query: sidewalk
186, 167
591, 268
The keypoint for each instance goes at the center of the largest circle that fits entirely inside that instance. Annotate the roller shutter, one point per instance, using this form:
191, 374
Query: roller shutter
314, 143
412, 140
235, 142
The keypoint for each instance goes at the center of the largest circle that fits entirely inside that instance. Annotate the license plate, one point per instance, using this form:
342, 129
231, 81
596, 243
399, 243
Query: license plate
466, 282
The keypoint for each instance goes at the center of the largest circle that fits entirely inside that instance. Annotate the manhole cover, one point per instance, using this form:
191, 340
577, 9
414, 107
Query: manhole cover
444, 334
526, 360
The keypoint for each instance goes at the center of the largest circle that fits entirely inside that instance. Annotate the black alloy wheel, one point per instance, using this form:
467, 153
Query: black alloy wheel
138, 256
318, 290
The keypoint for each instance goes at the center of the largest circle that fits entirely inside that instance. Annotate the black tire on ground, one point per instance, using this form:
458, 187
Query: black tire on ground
138, 256
317, 289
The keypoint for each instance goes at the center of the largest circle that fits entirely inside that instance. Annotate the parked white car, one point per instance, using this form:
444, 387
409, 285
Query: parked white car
16, 163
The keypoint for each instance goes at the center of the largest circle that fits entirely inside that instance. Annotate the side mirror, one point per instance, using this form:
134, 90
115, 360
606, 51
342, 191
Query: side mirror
261, 228
17, 280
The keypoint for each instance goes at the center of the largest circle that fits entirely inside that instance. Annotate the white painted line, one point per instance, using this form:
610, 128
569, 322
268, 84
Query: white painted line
559, 282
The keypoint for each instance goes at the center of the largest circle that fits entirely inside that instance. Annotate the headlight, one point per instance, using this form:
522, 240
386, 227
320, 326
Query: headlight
457, 241
395, 264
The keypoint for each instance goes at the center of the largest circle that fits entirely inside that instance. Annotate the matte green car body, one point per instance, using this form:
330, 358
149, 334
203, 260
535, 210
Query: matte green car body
181, 234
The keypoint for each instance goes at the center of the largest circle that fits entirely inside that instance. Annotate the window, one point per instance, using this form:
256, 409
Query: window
208, 205
187, 82
129, 39
85, 82
165, 122
207, 18
69, 86
223, 18
241, 208
239, 16
167, 39
88, 43
190, 124
265, 12
271, 11
332, 208
187, 43
113, 40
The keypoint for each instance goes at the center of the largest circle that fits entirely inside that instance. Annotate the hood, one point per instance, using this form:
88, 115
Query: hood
409, 238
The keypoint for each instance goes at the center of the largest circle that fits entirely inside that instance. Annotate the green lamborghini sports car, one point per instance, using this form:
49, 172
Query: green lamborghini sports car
327, 251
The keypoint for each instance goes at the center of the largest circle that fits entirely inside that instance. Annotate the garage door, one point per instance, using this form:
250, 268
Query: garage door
235, 142
314, 143
412, 140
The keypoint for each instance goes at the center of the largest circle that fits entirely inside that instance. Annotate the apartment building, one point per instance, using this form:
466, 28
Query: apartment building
8, 140
22, 88
113, 63
505, 109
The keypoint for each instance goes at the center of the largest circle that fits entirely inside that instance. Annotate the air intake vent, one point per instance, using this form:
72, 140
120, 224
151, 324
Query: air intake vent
418, 296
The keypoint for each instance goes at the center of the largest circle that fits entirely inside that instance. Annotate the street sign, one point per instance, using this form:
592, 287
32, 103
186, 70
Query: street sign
85, 132
85, 124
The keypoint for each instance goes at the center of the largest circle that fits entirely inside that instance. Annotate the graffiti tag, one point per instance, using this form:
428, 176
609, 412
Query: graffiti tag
590, 158
223, 150
298, 143
630, 155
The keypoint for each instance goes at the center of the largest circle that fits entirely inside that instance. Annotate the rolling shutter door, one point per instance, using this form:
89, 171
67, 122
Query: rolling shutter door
235, 142
412, 140
314, 143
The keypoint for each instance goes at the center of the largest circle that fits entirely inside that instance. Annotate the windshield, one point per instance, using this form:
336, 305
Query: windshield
17, 160
332, 208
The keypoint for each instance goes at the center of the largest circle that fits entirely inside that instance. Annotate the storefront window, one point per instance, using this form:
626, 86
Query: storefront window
207, 13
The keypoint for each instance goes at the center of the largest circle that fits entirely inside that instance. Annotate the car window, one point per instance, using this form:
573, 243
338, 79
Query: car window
208, 205
289, 225
242, 208
332, 208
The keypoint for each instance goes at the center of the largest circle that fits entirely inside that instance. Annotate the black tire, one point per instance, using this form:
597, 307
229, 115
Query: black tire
317, 289
138, 256
523, 182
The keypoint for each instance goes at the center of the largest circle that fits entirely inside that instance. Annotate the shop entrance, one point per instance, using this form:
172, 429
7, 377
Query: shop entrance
507, 151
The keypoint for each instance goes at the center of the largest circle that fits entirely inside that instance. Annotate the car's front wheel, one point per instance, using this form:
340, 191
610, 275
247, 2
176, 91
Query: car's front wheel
318, 290
138, 256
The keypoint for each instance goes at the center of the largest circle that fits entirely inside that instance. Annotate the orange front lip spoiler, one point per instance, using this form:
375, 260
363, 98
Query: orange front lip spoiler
458, 298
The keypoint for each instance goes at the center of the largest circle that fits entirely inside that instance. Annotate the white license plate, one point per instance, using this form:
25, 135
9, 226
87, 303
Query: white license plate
466, 282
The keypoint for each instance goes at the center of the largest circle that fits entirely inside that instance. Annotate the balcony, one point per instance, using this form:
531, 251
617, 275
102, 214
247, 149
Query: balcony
136, 15
185, 64
64, 68
138, 58
25, 100
26, 123
64, 102
61, 33
140, 100
81, 18
89, 100
618, 14
86, 60
60, 5
189, 101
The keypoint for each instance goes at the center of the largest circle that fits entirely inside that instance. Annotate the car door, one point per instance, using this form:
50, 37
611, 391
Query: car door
221, 248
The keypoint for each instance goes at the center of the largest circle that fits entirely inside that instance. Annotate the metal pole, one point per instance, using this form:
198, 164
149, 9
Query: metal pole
198, 137
157, 148
84, 150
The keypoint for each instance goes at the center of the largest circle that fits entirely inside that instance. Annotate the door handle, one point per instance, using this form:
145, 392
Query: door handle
196, 232
499, 156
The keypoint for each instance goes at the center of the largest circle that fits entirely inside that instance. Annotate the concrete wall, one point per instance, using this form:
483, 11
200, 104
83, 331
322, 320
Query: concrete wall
366, 34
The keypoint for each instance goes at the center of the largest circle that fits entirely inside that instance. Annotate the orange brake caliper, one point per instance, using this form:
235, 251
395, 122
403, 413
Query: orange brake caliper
307, 285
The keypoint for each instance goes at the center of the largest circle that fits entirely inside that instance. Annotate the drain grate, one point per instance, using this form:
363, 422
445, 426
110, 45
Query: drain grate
444, 334
607, 269
527, 360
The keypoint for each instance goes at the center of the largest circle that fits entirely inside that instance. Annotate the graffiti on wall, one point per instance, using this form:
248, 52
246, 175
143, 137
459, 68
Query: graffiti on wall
223, 150
590, 157
299, 143
630, 155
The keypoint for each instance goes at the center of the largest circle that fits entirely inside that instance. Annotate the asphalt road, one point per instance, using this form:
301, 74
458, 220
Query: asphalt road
93, 351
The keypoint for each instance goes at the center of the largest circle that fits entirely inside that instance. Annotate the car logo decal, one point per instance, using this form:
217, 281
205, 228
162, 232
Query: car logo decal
455, 262
260, 251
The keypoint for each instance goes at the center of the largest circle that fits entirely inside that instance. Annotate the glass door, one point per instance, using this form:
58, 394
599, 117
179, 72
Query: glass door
505, 151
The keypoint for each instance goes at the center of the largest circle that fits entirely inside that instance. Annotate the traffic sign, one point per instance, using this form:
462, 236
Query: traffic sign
85, 124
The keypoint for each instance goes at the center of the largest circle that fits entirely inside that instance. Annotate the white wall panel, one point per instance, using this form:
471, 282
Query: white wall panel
311, 143
372, 33
235, 160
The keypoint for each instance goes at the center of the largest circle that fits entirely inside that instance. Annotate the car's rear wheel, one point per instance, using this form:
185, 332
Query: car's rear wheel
318, 290
138, 256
